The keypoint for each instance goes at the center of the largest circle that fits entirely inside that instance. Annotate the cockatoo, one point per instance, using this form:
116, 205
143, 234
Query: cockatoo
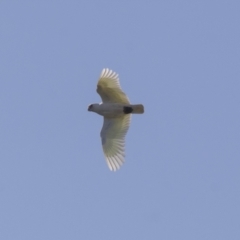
116, 110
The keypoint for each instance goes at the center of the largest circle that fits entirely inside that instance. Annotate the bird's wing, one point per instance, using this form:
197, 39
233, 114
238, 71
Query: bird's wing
113, 140
109, 89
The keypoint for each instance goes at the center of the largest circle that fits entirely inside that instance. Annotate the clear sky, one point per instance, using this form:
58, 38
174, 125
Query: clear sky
181, 178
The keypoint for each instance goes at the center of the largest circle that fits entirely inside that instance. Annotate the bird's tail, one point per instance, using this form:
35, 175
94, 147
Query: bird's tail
137, 108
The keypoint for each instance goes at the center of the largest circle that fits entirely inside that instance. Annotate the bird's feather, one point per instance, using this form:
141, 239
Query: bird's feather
109, 88
113, 140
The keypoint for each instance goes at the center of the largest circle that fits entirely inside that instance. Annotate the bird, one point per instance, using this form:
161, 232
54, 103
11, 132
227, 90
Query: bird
116, 110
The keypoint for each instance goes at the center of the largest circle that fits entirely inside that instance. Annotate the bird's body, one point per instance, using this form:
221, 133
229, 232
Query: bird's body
116, 110
109, 110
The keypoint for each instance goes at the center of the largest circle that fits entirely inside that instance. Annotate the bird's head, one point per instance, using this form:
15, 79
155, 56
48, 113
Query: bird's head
92, 107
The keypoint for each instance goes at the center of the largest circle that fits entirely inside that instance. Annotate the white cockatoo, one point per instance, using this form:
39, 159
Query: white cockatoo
116, 111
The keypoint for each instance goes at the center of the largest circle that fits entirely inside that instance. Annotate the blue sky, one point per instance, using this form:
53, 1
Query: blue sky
182, 172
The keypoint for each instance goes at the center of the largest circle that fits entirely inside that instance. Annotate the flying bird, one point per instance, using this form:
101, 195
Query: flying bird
116, 110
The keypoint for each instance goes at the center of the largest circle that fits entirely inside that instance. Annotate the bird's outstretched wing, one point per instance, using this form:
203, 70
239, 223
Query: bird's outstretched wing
109, 89
113, 140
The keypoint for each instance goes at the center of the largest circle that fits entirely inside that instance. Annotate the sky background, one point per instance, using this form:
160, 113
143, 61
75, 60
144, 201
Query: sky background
181, 178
